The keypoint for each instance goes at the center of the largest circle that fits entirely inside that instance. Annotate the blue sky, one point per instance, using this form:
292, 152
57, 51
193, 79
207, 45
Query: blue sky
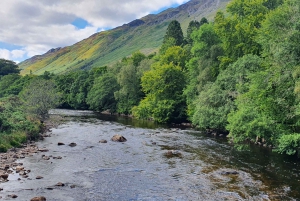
37, 26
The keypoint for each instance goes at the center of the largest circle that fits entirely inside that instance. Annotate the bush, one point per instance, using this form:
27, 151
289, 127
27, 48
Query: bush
289, 144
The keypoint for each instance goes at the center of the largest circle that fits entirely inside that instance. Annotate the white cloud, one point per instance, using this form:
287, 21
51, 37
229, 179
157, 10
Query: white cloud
39, 25
15, 55
4, 54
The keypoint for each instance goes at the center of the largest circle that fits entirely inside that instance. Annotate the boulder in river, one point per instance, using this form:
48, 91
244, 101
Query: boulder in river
19, 168
60, 143
4, 176
173, 153
73, 144
103, 141
118, 138
41, 198
46, 158
13, 196
60, 184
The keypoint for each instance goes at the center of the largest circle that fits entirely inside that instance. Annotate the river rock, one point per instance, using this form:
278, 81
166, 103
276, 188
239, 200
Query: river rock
229, 172
1, 189
73, 144
39, 177
46, 158
41, 198
19, 168
43, 150
118, 138
22, 173
4, 176
103, 141
60, 143
60, 184
173, 153
13, 196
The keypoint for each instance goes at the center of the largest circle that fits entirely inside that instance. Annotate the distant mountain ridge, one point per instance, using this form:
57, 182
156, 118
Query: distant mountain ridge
104, 48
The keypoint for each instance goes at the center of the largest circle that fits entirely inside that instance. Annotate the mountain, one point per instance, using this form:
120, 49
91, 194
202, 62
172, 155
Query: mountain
106, 47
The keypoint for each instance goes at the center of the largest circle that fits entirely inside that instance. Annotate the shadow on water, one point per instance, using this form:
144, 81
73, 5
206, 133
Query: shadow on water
278, 172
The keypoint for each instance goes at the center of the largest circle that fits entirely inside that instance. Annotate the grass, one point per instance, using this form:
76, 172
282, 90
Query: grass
105, 48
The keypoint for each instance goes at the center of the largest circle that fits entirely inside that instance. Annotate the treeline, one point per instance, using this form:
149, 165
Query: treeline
238, 74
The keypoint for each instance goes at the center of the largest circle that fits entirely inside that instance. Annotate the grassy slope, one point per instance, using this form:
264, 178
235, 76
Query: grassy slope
107, 47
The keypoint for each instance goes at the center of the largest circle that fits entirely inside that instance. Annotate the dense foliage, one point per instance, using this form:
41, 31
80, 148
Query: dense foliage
8, 67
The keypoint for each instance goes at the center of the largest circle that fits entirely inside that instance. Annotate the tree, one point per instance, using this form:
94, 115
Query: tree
137, 57
239, 29
173, 36
164, 101
130, 92
13, 84
40, 96
101, 96
203, 67
8, 67
193, 25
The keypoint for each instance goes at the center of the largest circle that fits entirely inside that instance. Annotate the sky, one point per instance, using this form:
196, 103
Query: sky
33, 27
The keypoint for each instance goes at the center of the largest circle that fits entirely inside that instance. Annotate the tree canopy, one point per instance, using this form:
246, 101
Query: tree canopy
8, 67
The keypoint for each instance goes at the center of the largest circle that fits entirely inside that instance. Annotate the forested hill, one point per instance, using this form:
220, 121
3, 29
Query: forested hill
104, 48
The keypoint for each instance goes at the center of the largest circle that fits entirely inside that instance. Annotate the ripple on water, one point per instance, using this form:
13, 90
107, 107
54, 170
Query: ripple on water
139, 169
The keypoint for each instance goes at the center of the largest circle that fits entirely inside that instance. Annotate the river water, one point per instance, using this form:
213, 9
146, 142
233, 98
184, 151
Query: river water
201, 168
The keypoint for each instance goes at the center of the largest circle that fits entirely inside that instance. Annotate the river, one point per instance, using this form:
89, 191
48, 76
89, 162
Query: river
201, 167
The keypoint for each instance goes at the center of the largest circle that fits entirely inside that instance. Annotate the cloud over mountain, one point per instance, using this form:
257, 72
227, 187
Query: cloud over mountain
33, 26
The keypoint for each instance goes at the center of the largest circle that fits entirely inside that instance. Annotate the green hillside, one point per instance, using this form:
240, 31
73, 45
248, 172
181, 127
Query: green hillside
104, 48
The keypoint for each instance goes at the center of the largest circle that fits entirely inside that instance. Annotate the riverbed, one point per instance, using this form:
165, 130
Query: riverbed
157, 162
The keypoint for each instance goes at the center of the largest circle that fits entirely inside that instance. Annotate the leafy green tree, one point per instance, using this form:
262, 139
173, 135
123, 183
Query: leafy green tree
15, 125
203, 67
240, 28
175, 55
193, 25
8, 67
216, 100
137, 57
75, 87
203, 21
270, 109
130, 92
79, 90
39, 97
13, 84
164, 101
101, 96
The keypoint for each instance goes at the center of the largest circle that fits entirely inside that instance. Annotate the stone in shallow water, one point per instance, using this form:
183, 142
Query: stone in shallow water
173, 153
41, 198
60, 184
118, 138
13, 196
73, 144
